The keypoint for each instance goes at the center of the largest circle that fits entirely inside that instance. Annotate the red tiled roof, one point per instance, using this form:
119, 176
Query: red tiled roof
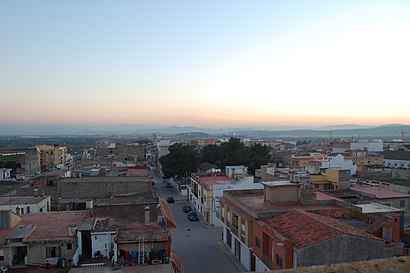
381, 193
51, 226
306, 228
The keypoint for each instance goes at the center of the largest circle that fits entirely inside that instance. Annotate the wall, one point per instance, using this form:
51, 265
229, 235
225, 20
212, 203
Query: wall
340, 249
103, 242
278, 194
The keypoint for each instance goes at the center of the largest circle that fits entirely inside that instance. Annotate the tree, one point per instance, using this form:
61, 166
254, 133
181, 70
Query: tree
182, 160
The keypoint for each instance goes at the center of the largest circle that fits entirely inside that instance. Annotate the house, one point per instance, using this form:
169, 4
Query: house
338, 162
396, 159
333, 178
5, 174
236, 172
246, 214
204, 191
300, 238
25, 204
50, 157
386, 197
32, 239
128, 232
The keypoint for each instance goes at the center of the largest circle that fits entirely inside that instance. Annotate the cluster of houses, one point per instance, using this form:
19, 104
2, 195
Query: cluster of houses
101, 211
312, 212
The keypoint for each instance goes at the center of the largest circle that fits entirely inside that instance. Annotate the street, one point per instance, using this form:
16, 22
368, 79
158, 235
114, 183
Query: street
199, 247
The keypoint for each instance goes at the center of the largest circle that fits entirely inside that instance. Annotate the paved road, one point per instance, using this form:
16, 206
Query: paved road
199, 247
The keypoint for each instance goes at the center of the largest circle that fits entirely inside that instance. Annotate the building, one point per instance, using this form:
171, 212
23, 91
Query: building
333, 179
29, 238
5, 174
396, 159
236, 172
364, 161
371, 146
204, 191
240, 209
202, 142
338, 162
25, 204
386, 197
50, 157
300, 238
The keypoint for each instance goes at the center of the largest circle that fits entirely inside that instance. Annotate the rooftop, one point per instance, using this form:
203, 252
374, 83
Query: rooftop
396, 264
376, 208
19, 200
254, 201
45, 231
280, 183
216, 179
380, 193
305, 229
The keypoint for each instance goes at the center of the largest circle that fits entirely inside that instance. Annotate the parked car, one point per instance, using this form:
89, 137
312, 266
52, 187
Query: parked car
168, 185
192, 216
170, 199
186, 208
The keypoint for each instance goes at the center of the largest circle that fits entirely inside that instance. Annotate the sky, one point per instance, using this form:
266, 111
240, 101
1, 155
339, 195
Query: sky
205, 63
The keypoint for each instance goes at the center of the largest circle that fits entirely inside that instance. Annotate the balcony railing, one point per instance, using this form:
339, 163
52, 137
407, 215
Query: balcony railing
234, 229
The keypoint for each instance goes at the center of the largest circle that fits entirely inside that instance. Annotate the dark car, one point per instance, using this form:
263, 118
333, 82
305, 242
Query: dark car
168, 185
192, 216
186, 208
170, 199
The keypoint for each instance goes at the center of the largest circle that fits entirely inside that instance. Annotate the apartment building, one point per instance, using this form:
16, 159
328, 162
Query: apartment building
50, 157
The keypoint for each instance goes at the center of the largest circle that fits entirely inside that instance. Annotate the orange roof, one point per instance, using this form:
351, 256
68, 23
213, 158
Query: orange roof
305, 228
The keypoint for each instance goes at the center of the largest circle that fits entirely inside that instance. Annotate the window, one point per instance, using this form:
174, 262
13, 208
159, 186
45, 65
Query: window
69, 246
1, 255
402, 203
53, 251
28, 209
257, 241
279, 261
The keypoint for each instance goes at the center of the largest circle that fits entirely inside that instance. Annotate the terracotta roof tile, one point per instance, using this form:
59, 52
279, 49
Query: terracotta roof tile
305, 228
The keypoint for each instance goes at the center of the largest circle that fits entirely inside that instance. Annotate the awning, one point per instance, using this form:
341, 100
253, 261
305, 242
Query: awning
169, 217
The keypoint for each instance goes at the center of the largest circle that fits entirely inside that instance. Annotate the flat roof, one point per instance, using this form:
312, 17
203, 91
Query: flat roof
381, 193
279, 183
376, 207
216, 180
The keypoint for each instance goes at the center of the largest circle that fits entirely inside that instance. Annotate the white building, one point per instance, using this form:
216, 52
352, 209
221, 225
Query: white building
236, 172
5, 174
205, 190
25, 204
338, 162
371, 146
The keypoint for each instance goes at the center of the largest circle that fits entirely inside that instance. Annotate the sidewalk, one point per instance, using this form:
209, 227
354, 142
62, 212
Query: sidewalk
231, 257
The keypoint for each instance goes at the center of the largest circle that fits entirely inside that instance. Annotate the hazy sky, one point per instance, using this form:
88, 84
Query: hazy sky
205, 63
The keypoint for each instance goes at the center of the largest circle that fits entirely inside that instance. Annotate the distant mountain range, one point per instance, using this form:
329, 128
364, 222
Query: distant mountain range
345, 130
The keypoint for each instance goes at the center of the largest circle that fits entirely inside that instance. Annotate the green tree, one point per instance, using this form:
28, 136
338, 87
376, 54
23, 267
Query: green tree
182, 160
211, 154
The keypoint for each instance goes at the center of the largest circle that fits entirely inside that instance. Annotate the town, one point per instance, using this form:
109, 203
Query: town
161, 203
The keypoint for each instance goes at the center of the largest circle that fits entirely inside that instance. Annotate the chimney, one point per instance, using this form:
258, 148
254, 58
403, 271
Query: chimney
147, 215
18, 211
35, 192
89, 204
72, 230
160, 218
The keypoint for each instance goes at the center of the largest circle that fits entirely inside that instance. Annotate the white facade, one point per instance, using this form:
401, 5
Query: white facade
163, 146
339, 162
103, 242
372, 146
26, 207
236, 171
238, 248
4, 174
208, 207
396, 164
